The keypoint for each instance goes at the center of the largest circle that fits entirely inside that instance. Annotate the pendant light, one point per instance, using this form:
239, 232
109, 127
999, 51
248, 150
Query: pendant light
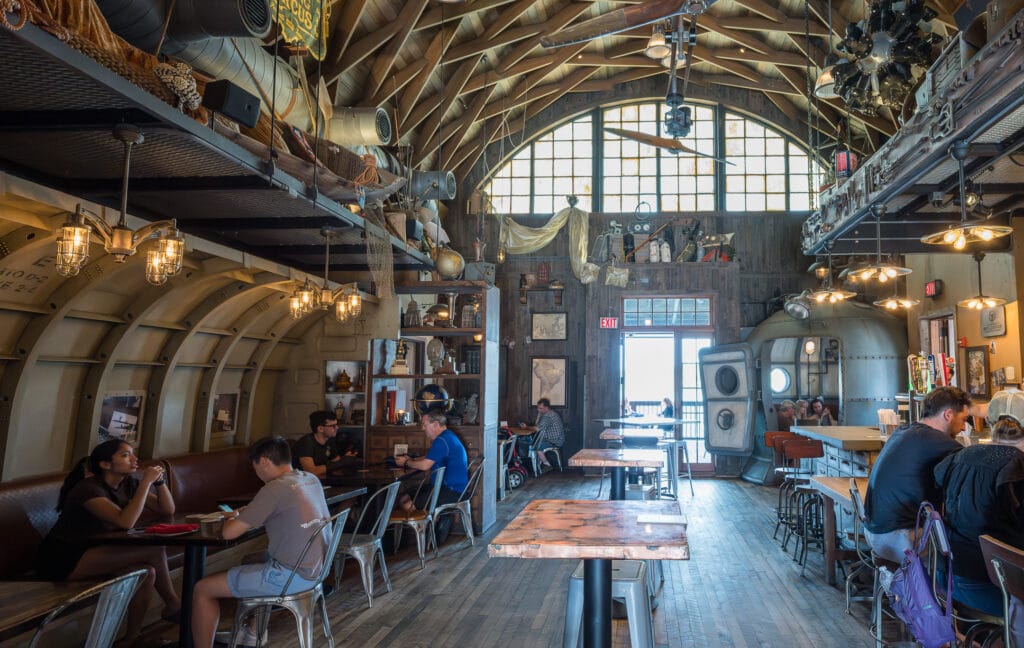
981, 300
827, 294
120, 240
960, 236
657, 48
878, 271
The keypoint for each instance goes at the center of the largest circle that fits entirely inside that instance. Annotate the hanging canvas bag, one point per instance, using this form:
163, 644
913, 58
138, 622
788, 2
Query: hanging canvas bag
911, 594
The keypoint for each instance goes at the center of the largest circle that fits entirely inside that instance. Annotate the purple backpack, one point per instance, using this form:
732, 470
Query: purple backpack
911, 594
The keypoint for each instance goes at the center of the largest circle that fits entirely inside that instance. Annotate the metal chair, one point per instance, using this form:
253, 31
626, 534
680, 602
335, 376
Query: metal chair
464, 504
303, 605
505, 449
114, 597
419, 520
366, 548
533, 450
1005, 565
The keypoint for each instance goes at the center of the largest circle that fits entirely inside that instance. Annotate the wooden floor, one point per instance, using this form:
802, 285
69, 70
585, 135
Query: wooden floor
738, 590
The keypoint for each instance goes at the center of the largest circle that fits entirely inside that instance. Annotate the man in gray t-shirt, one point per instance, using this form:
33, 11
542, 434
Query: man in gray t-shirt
291, 506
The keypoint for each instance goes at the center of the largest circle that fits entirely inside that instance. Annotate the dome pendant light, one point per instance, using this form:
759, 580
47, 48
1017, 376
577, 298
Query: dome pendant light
878, 271
981, 300
827, 294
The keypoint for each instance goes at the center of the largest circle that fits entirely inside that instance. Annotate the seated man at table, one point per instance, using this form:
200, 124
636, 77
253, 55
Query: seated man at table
550, 431
902, 476
445, 450
318, 449
785, 415
290, 505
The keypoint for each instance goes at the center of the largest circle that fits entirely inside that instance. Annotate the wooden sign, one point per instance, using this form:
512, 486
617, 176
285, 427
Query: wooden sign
301, 23
609, 322
993, 322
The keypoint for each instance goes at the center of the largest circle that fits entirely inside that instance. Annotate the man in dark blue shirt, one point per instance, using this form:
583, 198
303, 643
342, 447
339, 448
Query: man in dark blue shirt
903, 474
445, 450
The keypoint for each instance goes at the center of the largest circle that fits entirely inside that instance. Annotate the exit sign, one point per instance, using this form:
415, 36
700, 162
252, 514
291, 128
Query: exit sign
609, 322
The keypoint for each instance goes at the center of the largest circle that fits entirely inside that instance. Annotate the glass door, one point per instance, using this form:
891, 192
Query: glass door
691, 398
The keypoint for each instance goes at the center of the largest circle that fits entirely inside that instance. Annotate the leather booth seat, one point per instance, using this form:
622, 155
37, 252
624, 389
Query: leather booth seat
197, 481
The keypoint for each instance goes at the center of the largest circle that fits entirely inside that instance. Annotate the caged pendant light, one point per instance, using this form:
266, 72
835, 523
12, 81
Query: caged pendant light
121, 241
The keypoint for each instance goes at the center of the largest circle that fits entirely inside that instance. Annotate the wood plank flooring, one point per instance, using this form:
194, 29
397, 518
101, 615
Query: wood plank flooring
739, 590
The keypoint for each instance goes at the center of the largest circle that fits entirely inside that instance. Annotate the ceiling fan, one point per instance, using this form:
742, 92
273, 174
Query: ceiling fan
624, 19
678, 119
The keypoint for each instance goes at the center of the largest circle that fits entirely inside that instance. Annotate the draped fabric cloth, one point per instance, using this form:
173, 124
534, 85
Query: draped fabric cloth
520, 239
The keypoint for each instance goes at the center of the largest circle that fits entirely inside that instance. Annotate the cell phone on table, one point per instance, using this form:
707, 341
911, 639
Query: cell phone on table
225, 508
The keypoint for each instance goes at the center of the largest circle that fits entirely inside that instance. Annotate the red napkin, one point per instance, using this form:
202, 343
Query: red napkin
172, 528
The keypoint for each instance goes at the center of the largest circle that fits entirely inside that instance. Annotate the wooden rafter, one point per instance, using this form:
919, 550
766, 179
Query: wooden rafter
433, 17
562, 17
508, 16
787, 26
358, 51
493, 77
345, 20
425, 141
385, 58
744, 39
769, 11
461, 126
478, 46
565, 86
431, 59
396, 82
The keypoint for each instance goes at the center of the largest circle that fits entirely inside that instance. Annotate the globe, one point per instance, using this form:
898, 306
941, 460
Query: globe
449, 263
431, 397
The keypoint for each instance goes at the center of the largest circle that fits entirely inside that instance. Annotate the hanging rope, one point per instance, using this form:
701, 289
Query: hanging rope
178, 77
369, 173
10, 7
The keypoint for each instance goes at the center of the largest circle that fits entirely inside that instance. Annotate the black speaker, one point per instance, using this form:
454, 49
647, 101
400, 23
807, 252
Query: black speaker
233, 102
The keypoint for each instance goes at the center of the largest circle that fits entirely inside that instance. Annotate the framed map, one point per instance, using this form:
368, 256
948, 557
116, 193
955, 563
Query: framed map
549, 326
548, 380
977, 371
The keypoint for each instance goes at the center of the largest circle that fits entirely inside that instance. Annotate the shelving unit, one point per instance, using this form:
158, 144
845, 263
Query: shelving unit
480, 344
348, 403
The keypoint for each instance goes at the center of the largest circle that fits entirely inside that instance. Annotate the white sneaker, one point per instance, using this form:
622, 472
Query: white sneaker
246, 638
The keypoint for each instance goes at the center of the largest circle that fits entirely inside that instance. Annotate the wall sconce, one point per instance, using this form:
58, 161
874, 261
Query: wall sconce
810, 346
120, 240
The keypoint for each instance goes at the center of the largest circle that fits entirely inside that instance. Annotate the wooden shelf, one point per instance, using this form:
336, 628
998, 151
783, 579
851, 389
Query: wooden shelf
430, 377
441, 287
439, 331
557, 290
360, 392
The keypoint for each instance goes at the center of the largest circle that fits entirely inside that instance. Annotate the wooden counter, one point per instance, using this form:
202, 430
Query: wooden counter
844, 437
836, 491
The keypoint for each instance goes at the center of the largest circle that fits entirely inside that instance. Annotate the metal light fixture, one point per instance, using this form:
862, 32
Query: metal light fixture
680, 60
960, 236
825, 86
819, 269
810, 346
346, 300
896, 302
827, 294
981, 300
798, 307
657, 48
880, 272
120, 240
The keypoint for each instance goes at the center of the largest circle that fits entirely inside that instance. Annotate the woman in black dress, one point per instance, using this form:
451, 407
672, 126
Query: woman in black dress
103, 496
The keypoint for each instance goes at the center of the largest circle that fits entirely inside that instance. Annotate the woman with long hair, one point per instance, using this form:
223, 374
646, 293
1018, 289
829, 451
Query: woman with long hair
101, 495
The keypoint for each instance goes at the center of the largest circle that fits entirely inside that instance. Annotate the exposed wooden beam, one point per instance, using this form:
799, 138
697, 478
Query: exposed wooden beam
426, 144
460, 127
565, 86
385, 59
507, 16
608, 84
882, 126
819, 10
763, 8
433, 17
777, 58
746, 40
478, 46
702, 53
562, 17
764, 85
359, 50
397, 81
783, 103
345, 22
431, 59
603, 60
788, 26
492, 77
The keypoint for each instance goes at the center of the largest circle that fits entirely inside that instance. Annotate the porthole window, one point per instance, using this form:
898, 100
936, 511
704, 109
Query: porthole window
779, 380
727, 381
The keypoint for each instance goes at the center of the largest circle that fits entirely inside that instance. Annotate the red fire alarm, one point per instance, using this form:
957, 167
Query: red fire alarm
933, 288
962, 342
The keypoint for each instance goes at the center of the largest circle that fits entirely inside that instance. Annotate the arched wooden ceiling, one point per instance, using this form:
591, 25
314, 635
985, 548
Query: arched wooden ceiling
459, 76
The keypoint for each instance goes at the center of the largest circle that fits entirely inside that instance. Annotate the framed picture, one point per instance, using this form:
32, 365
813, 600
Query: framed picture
121, 416
225, 408
549, 326
977, 371
548, 380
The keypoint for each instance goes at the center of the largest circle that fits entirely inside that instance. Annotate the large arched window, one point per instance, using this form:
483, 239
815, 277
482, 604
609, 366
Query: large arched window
768, 171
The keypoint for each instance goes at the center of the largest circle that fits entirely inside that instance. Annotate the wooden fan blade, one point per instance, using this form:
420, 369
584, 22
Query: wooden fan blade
616, 21
662, 142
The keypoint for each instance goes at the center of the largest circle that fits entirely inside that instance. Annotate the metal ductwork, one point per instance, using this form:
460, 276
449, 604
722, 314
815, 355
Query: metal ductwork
205, 34
356, 126
433, 185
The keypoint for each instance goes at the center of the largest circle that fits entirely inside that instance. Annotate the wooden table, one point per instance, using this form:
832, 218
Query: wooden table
333, 495
836, 490
597, 532
25, 603
844, 437
371, 477
618, 459
195, 545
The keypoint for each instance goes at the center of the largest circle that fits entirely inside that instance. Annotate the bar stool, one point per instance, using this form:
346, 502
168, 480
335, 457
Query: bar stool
805, 504
629, 583
773, 440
